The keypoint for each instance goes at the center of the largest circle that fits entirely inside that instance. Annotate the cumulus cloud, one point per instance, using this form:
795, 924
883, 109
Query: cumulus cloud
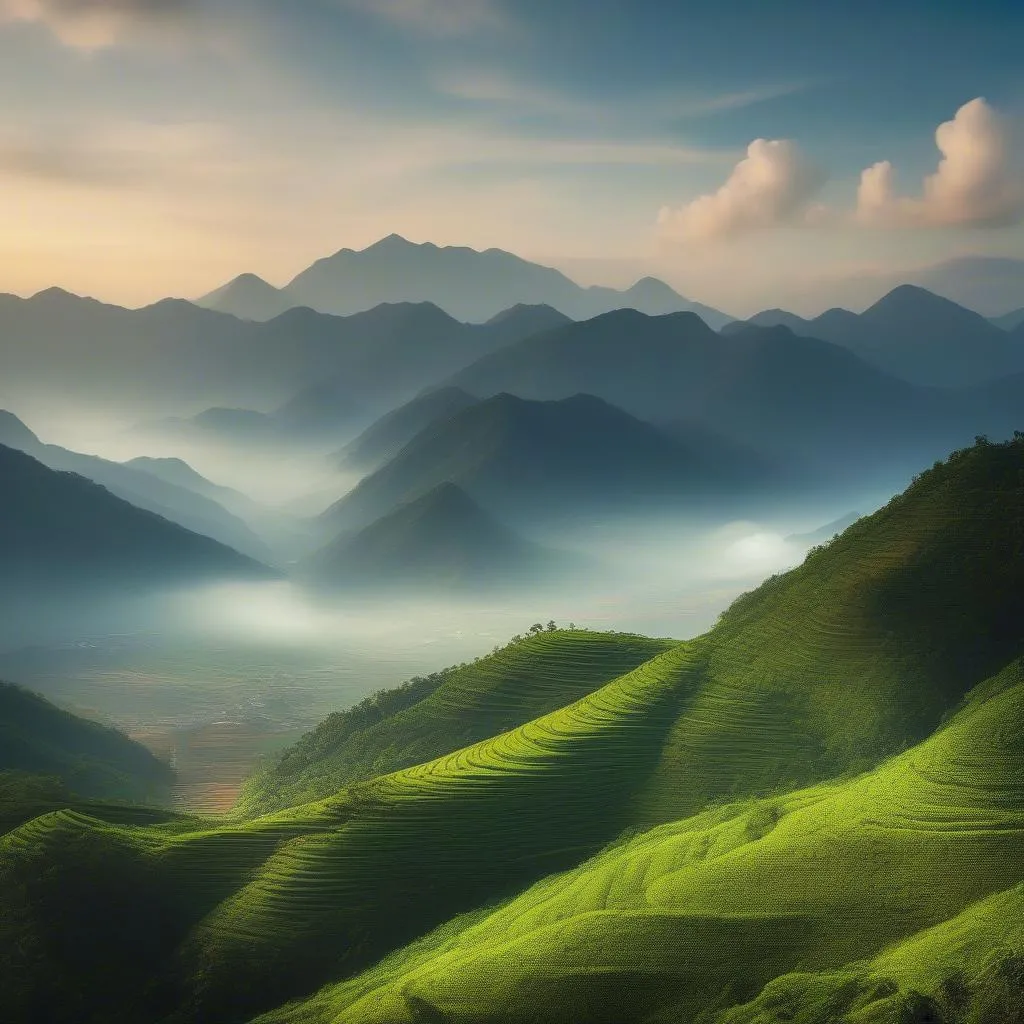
95, 24
772, 185
976, 183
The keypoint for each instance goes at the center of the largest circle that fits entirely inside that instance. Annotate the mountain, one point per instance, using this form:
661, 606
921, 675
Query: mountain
527, 461
442, 539
470, 285
385, 438
988, 284
916, 335
1009, 321
811, 812
826, 532
181, 504
92, 760
180, 474
800, 401
172, 359
248, 297
58, 528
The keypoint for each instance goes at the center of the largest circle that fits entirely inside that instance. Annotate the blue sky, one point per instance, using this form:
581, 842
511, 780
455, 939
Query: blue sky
155, 147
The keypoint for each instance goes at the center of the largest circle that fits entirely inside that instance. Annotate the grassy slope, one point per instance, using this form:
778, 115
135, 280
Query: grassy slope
466, 704
38, 738
907, 857
895, 622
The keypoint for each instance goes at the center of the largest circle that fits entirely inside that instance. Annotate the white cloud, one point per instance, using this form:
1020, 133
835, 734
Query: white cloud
435, 17
96, 24
772, 185
976, 183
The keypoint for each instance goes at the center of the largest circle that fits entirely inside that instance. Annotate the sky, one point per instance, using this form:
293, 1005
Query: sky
746, 152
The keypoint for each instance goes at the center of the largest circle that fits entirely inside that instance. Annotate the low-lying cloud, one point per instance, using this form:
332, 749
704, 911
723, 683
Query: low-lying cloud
976, 183
773, 185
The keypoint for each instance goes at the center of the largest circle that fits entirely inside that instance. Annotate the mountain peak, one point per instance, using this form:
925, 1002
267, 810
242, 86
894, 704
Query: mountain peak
912, 299
14, 433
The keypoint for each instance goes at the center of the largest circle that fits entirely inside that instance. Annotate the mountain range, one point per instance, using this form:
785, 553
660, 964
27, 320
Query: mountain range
177, 359
469, 285
811, 813
198, 509
542, 461
59, 529
915, 335
805, 403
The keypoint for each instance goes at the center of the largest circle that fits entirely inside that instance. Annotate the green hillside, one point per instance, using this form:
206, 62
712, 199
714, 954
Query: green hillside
761, 868
432, 716
91, 760
901, 883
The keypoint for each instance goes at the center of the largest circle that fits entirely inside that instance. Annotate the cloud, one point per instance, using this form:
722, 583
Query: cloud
773, 185
435, 17
96, 24
976, 183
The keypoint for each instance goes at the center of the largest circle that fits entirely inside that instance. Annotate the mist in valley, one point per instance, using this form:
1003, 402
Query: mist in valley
217, 676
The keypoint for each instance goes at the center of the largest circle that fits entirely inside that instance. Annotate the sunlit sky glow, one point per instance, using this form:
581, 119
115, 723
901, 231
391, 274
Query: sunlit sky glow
154, 147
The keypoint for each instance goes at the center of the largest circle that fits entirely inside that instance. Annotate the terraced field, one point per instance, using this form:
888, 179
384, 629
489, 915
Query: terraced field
525, 679
852, 659
711, 908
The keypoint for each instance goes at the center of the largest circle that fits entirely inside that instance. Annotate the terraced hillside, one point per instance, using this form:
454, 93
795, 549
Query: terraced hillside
919, 860
829, 670
433, 716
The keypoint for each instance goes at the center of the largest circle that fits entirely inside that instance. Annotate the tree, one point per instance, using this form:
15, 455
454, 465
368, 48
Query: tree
551, 626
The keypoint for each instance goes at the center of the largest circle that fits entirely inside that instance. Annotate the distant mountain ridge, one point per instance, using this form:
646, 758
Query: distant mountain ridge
202, 513
59, 528
442, 539
914, 334
531, 461
468, 284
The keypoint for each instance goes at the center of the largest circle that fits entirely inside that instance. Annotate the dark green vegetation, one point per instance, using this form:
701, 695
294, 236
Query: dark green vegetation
915, 335
470, 285
438, 541
59, 528
526, 461
37, 738
823, 796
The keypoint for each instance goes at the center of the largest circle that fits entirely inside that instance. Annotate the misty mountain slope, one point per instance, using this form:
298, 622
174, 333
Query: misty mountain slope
1009, 321
202, 514
470, 285
826, 532
915, 335
915, 858
785, 396
173, 358
92, 760
528, 461
851, 658
430, 717
248, 297
58, 528
179, 473
385, 438
440, 540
